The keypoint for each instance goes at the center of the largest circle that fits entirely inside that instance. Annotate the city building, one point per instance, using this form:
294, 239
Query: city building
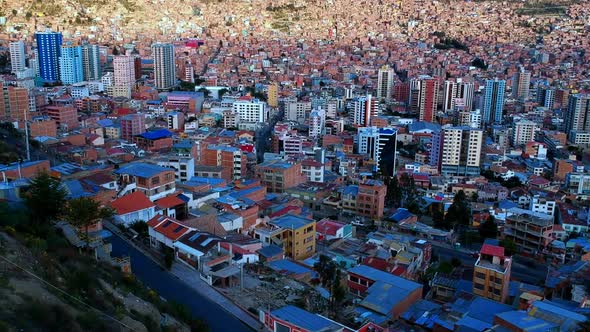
317, 122
49, 49
296, 235
42, 126
91, 62
385, 79
154, 181
124, 71
491, 275
278, 175
14, 103
578, 183
231, 159
530, 231
424, 97
521, 82
184, 167
577, 115
71, 69
545, 96
164, 66
493, 101
371, 199
380, 144
524, 132
457, 150
543, 205
251, 112
363, 109
17, 56
132, 125
273, 95
66, 117
297, 110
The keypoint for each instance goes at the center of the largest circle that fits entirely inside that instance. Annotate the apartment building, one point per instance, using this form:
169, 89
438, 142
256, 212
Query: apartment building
296, 235
278, 175
14, 102
231, 159
491, 275
457, 150
371, 199
66, 117
250, 112
524, 132
154, 181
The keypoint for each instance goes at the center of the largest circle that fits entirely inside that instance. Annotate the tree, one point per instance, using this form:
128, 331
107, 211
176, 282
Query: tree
509, 247
330, 279
474, 197
222, 92
408, 189
205, 92
45, 200
394, 192
512, 182
489, 228
84, 212
458, 212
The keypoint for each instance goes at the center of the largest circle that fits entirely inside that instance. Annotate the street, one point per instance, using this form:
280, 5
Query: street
173, 289
531, 273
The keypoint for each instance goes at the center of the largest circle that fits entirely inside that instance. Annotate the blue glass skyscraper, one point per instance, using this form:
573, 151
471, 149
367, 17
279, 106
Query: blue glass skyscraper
49, 50
70, 65
493, 102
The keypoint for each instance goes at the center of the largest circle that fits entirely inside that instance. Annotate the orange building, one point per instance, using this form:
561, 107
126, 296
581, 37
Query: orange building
64, 116
231, 159
14, 102
25, 170
278, 175
371, 199
42, 126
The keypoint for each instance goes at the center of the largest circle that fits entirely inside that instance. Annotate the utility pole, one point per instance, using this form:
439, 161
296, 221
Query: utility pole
27, 136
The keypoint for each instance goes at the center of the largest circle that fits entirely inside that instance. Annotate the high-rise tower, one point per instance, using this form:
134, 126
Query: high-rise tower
49, 51
164, 72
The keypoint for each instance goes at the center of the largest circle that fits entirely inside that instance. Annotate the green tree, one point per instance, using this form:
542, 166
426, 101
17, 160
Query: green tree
205, 92
84, 212
512, 182
510, 247
489, 228
45, 200
394, 192
474, 197
222, 92
408, 189
458, 212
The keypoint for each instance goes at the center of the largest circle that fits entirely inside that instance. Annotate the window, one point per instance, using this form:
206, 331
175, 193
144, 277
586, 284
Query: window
478, 286
480, 275
155, 180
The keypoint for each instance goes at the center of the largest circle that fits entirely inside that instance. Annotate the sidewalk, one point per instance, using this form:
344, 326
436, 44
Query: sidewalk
191, 278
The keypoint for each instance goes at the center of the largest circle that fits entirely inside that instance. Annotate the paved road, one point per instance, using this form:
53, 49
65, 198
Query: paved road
531, 273
173, 289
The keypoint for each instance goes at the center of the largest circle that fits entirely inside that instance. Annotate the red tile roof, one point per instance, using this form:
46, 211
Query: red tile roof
168, 227
168, 202
135, 201
488, 249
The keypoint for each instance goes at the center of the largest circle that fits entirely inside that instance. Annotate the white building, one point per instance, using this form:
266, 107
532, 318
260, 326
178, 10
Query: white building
542, 205
251, 111
17, 56
79, 90
524, 132
314, 170
297, 111
362, 110
470, 118
385, 83
317, 122
457, 150
108, 79
184, 167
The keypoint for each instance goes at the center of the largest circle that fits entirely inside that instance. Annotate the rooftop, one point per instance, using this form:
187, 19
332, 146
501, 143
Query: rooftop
373, 274
142, 170
132, 202
156, 134
290, 221
304, 319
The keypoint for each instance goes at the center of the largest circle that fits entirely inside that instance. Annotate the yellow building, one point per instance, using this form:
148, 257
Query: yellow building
296, 235
273, 95
491, 276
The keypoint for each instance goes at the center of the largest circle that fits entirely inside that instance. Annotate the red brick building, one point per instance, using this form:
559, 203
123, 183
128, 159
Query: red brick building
278, 175
43, 126
231, 159
25, 170
14, 102
65, 116
371, 199
132, 125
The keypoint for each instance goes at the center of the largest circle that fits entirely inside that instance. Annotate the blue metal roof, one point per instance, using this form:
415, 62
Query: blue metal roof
351, 190
290, 221
382, 297
522, 320
186, 144
484, 309
423, 125
290, 267
270, 250
156, 134
378, 275
304, 319
143, 170
201, 180
400, 214
105, 122
240, 194
75, 189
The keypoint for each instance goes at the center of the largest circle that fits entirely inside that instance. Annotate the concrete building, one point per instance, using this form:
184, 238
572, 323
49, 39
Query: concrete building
491, 275
297, 111
17, 56
543, 205
578, 183
164, 66
66, 117
184, 167
380, 144
250, 111
470, 118
545, 96
91, 62
371, 199
175, 120
424, 97
521, 82
457, 150
48, 48
124, 71
530, 231
577, 116
363, 109
524, 132
231, 159
385, 79
132, 125
493, 101
278, 175
317, 122
70, 64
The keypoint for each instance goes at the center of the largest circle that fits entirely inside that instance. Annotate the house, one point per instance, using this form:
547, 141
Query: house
270, 253
327, 229
291, 318
154, 181
384, 294
172, 206
164, 231
133, 207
